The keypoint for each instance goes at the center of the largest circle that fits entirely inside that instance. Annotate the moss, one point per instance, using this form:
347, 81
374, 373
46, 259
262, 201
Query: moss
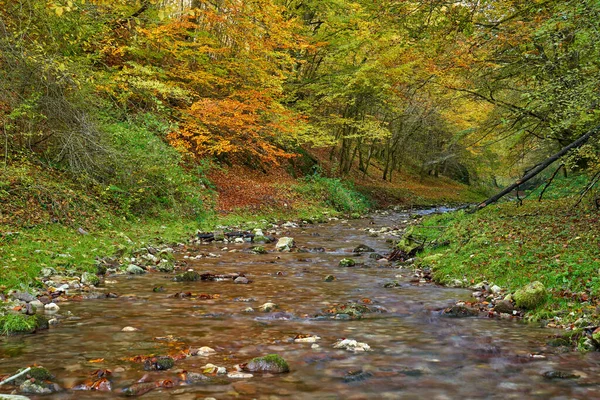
530, 296
259, 250
188, 276
90, 279
40, 374
347, 262
270, 363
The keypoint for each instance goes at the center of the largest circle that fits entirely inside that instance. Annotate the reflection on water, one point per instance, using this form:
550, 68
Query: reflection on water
416, 354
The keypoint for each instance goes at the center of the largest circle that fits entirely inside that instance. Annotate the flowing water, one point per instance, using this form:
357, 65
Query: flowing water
416, 353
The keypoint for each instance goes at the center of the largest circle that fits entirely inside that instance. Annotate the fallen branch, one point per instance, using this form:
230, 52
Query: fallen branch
26, 370
588, 188
542, 166
550, 181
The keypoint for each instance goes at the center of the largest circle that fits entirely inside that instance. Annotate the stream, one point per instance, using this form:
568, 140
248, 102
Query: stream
415, 352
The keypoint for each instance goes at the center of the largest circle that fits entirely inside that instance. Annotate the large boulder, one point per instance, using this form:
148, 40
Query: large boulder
530, 296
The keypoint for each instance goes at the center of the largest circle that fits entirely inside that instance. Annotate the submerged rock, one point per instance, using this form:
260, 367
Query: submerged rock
159, 364
530, 296
352, 345
559, 375
363, 248
272, 363
347, 262
188, 276
268, 307
242, 280
329, 278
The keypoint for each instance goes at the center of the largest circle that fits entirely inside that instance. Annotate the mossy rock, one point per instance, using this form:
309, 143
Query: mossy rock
258, 250
88, 278
347, 262
329, 278
188, 276
159, 364
530, 296
271, 363
39, 374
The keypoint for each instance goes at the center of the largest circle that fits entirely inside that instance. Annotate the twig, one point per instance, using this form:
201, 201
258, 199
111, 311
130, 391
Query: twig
550, 181
26, 370
588, 188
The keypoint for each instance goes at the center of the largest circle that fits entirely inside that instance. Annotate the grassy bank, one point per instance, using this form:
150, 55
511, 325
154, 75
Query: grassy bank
511, 246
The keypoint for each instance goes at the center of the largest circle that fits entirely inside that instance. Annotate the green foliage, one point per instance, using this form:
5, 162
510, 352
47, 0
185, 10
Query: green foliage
513, 246
17, 323
338, 194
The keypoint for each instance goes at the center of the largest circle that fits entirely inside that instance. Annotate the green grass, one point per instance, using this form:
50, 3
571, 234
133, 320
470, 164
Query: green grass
341, 196
511, 246
17, 323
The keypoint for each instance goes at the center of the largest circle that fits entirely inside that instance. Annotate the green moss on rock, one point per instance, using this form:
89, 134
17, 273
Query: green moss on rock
347, 262
530, 296
188, 276
272, 363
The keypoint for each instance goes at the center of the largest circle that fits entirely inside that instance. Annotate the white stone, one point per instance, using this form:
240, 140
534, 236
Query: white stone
309, 339
285, 244
129, 329
239, 375
51, 307
352, 345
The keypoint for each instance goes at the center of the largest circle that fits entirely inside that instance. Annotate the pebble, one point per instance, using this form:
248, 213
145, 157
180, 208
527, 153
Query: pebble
267, 307
53, 322
129, 329
51, 307
241, 279
239, 375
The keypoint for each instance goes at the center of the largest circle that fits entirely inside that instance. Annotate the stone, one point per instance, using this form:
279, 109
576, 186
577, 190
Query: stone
307, 339
530, 296
203, 351
268, 307
135, 270
495, 289
159, 364
504, 306
363, 248
285, 244
34, 388
188, 276
51, 307
460, 311
165, 266
352, 345
258, 250
195, 377
129, 329
38, 305
47, 272
241, 280
559, 375
329, 278
90, 279
271, 363
347, 262
23, 296
239, 375
455, 283
13, 397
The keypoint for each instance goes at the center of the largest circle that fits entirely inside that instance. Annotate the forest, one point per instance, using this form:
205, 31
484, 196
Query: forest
149, 139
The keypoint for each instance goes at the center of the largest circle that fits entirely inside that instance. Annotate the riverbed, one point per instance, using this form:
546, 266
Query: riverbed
415, 352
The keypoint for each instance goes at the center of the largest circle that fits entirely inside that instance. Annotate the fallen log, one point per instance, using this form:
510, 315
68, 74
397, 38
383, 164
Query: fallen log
539, 168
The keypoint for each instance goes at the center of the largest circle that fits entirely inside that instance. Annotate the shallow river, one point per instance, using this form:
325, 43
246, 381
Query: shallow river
416, 354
